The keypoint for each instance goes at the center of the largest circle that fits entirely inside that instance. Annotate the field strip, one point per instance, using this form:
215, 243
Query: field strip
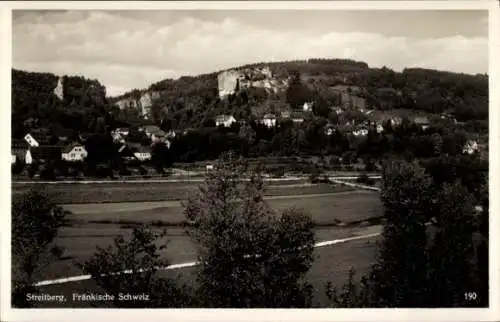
90, 208
188, 264
171, 180
355, 185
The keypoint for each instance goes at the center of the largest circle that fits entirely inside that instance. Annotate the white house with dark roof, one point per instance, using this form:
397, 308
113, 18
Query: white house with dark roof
307, 107
142, 153
74, 152
329, 129
470, 147
225, 120
422, 121
269, 120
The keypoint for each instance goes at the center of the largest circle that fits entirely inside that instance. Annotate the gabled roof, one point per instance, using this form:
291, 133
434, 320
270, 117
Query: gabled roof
285, 114
143, 149
68, 148
224, 118
298, 115
150, 128
345, 88
269, 116
421, 120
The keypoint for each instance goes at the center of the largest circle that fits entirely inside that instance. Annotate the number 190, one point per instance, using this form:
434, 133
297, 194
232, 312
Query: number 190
470, 296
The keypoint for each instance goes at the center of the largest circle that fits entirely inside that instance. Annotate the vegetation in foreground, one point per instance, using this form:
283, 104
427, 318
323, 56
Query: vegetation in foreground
263, 261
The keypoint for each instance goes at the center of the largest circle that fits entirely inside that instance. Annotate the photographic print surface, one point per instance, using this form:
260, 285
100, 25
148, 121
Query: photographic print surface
250, 159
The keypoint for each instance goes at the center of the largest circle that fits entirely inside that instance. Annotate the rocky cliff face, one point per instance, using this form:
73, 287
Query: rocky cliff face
229, 81
58, 91
143, 103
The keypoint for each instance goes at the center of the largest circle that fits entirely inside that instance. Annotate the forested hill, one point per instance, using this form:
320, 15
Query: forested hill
279, 86
80, 104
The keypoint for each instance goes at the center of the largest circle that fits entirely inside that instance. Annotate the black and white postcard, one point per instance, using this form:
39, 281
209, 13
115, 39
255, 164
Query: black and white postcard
250, 155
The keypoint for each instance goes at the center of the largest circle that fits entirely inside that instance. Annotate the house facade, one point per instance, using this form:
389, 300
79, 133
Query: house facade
396, 121
18, 151
269, 120
123, 131
149, 130
470, 147
74, 153
143, 153
307, 107
423, 122
225, 120
360, 132
329, 129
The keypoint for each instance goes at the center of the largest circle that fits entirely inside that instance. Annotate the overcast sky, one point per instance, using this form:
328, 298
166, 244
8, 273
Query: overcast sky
132, 49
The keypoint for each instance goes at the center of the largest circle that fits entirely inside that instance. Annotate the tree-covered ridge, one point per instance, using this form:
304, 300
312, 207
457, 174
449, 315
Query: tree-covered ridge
462, 95
193, 101
83, 106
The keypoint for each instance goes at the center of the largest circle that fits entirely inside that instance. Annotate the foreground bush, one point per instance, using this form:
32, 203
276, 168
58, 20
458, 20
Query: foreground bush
251, 257
35, 223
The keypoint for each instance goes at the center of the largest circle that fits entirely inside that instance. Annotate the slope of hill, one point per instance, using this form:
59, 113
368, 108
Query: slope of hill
190, 102
57, 103
336, 82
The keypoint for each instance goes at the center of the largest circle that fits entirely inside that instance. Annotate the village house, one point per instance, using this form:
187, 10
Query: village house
307, 107
449, 117
43, 154
285, 115
140, 152
18, 151
329, 129
170, 134
74, 152
297, 117
396, 121
338, 110
225, 120
422, 121
269, 120
117, 137
123, 131
470, 147
158, 136
32, 142
149, 129
360, 132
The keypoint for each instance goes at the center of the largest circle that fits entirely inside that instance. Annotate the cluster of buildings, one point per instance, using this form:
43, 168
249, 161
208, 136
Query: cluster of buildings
36, 146
375, 122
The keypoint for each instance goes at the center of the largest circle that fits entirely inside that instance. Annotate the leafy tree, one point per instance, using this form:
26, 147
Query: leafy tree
452, 252
17, 167
35, 223
398, 277
482, 267
251, 256
133, 267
